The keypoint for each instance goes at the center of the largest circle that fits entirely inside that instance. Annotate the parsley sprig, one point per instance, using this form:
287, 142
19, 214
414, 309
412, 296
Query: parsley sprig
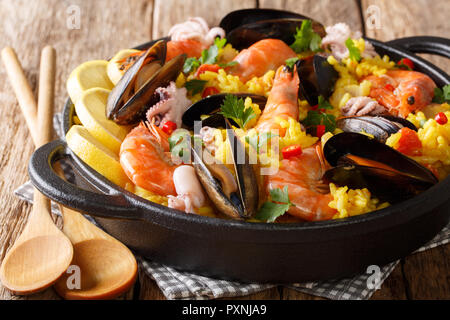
195, 86
354, 52
275, 208
320, 117
291, 62
306, 39
442, 95
209, 56
234, 108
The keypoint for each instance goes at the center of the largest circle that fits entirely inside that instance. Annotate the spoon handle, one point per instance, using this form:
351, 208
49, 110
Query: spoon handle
45, 114
46, 96
21, 88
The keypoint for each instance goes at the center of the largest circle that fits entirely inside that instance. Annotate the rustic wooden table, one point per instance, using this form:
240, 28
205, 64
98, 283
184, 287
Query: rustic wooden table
109, 25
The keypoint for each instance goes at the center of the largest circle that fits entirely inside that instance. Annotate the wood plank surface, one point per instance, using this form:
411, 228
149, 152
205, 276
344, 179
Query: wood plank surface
406, 18
105, 26
426, 273
327, 12
169, 12
109, 25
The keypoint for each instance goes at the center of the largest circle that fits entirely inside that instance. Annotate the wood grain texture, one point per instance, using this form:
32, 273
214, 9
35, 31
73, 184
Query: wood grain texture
169, 12
426, 273
27, 26
405, 18
327, 12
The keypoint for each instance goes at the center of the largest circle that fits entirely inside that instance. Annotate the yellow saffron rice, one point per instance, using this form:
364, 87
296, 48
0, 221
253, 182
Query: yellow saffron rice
435, 140
350, 202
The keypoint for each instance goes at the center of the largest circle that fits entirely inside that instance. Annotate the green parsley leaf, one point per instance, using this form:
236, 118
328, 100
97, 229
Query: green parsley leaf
234, 108
195, 86
315, 43
403, 66
324, 104
291, 62
190, 65
279, 205
447, 92
306, 39
353, 51
220, 42
319, 117
209, 56
442, 95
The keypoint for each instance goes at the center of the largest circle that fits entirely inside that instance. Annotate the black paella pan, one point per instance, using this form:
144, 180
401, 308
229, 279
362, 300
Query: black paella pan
256, 252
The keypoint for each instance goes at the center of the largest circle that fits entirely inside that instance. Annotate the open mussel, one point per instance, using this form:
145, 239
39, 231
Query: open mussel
363, 162
210, 106
134, 93
317, 78
283, 29
238, 18
381, 127
235, 195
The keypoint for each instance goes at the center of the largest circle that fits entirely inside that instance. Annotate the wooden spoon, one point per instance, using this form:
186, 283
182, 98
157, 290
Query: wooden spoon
42, 252
108, 268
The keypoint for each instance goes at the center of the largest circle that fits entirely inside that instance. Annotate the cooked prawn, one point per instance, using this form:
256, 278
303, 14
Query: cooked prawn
192, 48
282, 101
412, 91
143, 158
264, 55
303, 177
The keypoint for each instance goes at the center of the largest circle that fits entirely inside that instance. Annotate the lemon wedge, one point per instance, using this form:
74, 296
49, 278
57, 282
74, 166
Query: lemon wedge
113, 70
91, 110
90, 74
96, 155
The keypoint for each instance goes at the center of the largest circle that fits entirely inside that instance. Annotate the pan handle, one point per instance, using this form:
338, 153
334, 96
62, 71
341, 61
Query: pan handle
110, 205
424, 44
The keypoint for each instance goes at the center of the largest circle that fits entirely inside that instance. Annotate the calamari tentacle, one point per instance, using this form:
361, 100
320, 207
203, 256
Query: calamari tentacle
173, 104
195, 29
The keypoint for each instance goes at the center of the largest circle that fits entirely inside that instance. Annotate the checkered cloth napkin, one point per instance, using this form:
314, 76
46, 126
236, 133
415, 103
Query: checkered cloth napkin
182, 285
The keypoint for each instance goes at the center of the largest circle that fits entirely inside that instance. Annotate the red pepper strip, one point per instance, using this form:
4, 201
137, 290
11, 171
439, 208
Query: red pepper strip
169, 127
291, 151
441, 118
209, 91
407, 62
207, 67
409, 143
320, 131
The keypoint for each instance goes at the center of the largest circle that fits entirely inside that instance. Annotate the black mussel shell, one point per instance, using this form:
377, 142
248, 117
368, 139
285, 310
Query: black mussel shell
386, 185
241, 203
349, 143
317, 78
135, 108
390, 175
381, 127
124, 89
284, 29
238, 18
211, 106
